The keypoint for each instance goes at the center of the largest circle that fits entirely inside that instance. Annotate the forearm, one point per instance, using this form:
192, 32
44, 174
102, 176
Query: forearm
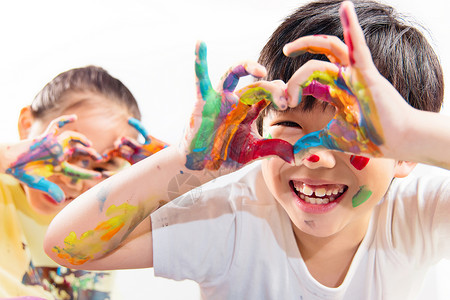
426, 139
100, 220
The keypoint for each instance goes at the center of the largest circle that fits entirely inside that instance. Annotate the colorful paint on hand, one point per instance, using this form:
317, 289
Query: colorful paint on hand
47, 156
361, 196
225, 136
131, 150
78, 251
355, 128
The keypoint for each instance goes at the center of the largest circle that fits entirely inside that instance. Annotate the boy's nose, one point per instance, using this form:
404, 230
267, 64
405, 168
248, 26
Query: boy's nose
321, 159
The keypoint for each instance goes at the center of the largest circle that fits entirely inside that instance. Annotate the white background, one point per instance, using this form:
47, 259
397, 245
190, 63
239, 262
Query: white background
149, 45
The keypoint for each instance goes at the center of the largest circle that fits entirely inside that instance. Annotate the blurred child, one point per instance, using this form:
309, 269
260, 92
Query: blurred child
321, 217
73, 135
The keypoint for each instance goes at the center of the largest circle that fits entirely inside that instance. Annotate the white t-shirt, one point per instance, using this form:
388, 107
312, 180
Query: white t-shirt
236, 241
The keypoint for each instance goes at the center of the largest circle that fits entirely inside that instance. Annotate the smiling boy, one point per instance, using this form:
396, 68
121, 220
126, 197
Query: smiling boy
313, 223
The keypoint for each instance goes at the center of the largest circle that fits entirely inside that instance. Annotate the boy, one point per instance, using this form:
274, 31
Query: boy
309, 224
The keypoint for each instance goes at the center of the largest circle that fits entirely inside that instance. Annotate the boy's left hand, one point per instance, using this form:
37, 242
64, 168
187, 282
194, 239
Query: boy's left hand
368, 107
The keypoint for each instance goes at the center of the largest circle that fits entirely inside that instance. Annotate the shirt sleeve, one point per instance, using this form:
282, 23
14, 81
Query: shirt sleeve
421, 218
194, 236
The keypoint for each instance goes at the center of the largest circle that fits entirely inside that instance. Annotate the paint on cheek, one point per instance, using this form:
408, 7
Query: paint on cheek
359, 162
313, 158
361, 196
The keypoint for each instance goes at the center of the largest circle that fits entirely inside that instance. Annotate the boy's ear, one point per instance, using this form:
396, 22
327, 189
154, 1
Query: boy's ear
25, 122
403, 168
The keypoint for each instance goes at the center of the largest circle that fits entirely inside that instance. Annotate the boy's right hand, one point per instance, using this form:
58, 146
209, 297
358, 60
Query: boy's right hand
220, 133
48, 154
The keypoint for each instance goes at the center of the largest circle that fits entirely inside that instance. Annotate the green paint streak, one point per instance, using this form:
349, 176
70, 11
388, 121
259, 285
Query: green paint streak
254, 95
361, 196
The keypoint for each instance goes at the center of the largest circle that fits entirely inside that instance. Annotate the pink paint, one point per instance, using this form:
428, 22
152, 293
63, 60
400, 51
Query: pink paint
313, 158
359, 162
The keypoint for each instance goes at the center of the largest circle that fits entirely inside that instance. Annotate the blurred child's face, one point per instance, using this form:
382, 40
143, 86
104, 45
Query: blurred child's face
318, 192
99, 120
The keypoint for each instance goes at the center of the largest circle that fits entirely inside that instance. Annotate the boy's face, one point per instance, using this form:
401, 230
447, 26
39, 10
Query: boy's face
328, 178
99, 120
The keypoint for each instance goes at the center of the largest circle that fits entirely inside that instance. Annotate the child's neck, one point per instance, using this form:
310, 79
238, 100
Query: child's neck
329, 258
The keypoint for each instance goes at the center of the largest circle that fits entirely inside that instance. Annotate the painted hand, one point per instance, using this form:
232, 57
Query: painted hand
133, 151
48, 155
220, 134
366, 103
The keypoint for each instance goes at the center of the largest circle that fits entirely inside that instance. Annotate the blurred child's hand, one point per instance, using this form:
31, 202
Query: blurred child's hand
366, 103
48, 154
220, 133
133, 151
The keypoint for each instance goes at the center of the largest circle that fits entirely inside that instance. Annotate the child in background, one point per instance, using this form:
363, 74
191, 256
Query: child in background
312, 221
73, 135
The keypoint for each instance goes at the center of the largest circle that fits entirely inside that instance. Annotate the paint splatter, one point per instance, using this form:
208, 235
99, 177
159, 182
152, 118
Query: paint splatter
78, 251
359, 162
361, 196
313, 158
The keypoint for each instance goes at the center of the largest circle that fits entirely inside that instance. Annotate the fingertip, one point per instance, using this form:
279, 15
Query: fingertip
256, 69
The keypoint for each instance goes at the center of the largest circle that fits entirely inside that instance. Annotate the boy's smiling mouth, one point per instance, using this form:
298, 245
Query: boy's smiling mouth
317, 198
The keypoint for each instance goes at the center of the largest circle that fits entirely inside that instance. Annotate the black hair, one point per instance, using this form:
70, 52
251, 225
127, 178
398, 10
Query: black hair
91, 78
400, 51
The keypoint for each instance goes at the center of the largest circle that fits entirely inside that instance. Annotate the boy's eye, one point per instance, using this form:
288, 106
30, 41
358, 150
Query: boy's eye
287, 124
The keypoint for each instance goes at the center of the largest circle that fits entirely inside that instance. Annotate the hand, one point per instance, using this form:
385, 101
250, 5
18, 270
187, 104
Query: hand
48, 155
366, 103
220, 132
133, 151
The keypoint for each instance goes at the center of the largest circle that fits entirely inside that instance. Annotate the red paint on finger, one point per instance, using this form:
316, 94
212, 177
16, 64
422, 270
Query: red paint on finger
359, 162
313, 158
347, 36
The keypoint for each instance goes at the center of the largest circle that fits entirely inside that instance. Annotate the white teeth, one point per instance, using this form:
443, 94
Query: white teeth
320, 192
307, 190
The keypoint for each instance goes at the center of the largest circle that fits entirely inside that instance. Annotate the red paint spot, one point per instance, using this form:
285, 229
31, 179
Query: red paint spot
359, 162
313, 158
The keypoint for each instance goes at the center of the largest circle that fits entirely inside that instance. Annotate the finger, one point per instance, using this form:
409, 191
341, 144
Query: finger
59, 122
314, 70
331, 46
136, 124
204, 87
359, 53
42, 184
269, 147
232, 76
274, 91
245, 147
76, 172
72, 137
129, 142
80, 152
317, 139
